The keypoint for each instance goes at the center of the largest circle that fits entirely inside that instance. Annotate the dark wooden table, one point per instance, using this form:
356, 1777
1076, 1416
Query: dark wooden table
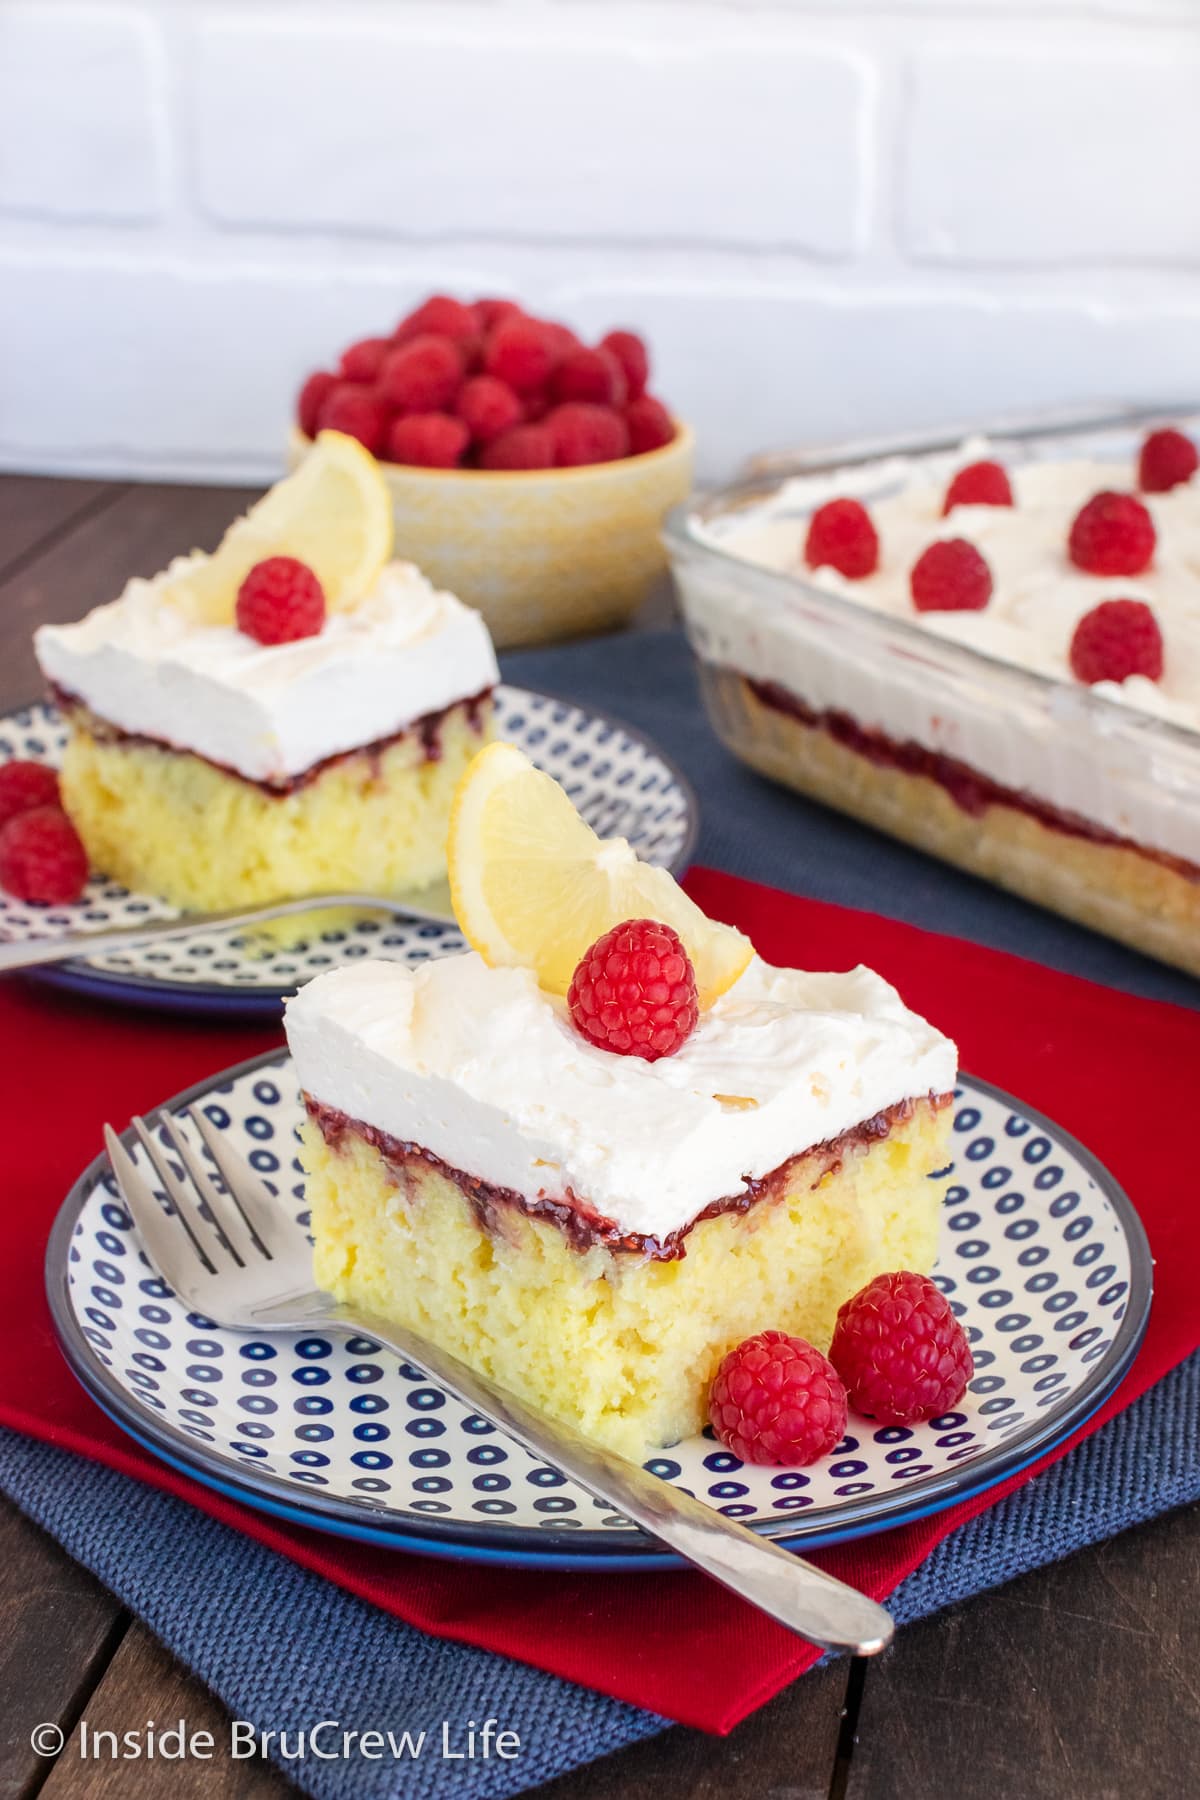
1077, 1683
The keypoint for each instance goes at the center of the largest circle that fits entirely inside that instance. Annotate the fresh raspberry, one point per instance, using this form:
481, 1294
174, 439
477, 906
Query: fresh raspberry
536, 405
24, 785
587, 434
633, 357
313, 396
358, 411
280, 600
422, 375
521, 352
1117, 639
431, 440
561, 339
842, 537
950, 576
487, 407
42, 857
362, 361
979, 484
593, 375
900, 1350
524, 447
1112, 535
1167, 460
490, 313
777, 1400
634, 991
650, 425
440, 316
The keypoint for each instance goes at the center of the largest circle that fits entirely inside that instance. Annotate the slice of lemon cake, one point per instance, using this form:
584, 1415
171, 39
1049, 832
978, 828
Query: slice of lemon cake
288, 716
592, 1182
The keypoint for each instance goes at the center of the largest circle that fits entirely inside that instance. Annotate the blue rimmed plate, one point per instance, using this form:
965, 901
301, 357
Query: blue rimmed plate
617, 778
1042, 1254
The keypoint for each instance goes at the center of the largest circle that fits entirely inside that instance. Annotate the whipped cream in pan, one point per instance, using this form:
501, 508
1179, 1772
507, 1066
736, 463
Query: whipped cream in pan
481, 1067
272, 710
1056, 747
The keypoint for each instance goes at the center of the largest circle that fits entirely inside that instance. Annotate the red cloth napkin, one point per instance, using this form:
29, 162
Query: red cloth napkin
1117, 1071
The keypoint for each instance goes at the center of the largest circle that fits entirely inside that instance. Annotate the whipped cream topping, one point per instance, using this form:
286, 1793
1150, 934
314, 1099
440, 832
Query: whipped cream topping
1096, 752
1038, 595
270, 711
482, 1068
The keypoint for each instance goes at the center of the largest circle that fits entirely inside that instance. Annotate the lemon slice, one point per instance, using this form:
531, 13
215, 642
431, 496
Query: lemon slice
534, 887
334, 513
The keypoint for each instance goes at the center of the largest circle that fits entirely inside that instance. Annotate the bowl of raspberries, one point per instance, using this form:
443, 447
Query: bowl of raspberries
529, 471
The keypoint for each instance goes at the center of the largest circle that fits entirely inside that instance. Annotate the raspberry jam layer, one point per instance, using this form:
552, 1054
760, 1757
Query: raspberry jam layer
584, 1228
972, 792
426, 729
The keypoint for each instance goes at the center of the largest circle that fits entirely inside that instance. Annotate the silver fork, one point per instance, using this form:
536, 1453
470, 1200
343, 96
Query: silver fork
229, 1251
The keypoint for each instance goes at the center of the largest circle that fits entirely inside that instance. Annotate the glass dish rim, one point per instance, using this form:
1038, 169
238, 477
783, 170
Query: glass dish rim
1105, 717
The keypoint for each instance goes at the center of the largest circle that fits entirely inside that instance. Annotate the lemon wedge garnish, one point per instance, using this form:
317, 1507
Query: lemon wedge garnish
334, 513
534, 887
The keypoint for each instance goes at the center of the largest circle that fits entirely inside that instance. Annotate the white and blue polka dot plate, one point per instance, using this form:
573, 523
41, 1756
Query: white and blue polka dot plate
620, 781
1041, 1252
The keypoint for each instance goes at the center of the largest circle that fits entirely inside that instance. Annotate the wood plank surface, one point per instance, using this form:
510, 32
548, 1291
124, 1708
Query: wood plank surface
142, 1684
58, 1629
1078, 1682
35, 509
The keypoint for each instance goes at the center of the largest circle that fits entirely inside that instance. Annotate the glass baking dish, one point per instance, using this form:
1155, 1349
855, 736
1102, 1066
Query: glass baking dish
1072, 799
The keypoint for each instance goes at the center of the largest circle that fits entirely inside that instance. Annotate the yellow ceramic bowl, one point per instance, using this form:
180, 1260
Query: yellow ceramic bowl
542, 553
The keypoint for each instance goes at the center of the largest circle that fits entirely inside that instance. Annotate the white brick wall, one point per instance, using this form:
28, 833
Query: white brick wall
829, 220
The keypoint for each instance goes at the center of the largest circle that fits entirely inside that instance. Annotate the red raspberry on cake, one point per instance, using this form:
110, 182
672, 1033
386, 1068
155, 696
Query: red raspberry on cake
649, 423
42, 857
279, 601
422, 375
951, 576
521, 352
25, 785
633, 357
634, 991
1113, 534
358, 411
979, 484
313, 395
488, 407
362, 361
434, 440
842, 537
1115, 640
1167, 460
524, 447
777, 1400
593, 375
587, 434
900, 1350
444, 317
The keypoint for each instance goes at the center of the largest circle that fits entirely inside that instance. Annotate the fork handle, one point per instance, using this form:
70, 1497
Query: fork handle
799, 1595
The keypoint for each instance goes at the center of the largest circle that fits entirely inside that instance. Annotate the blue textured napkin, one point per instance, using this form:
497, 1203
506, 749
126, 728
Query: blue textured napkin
283, 1649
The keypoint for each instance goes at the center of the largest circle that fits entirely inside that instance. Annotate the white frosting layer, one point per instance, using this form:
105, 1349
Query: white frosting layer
1056, 745
481, 1067
270, 711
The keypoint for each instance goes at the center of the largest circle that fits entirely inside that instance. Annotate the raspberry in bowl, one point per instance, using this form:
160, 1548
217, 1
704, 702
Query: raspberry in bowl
529, 472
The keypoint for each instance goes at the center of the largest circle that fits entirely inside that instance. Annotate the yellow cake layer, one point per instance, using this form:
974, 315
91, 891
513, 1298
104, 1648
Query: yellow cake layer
1111, 887
623, 1347
165, 822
